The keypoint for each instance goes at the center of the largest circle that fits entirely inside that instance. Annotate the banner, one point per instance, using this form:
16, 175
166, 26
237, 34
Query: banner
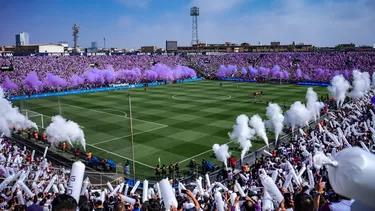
239, 79
314, 83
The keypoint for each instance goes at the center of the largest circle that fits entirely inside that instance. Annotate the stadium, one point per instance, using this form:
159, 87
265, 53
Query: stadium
203, 127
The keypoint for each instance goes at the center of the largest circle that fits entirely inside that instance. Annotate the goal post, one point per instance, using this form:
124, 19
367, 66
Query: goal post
34, 116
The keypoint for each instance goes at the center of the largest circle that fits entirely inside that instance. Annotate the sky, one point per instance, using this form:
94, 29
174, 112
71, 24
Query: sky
135, 23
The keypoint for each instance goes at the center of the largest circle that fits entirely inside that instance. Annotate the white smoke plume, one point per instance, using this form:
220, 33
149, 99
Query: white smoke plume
339, 89
11, 117
313, 105
242, 133
61, 130
367, 80
297, 115
361, 83
259, 127
221, 152
276, 119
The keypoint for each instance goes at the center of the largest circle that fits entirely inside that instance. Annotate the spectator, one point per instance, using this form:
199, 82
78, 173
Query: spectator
64, 202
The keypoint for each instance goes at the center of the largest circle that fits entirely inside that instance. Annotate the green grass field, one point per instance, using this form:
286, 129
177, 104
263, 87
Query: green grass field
175, 122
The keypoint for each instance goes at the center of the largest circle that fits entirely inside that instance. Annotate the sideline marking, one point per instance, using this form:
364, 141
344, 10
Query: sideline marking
113, 114
114, 139
226, 98
109, 152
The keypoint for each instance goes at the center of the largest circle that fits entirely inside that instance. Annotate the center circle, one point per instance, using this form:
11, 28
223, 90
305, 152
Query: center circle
116, 110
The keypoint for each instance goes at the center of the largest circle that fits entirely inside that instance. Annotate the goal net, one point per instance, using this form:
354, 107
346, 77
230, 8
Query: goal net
36, 117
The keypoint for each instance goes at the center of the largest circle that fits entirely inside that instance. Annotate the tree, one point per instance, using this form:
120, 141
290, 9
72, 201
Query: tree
339, 47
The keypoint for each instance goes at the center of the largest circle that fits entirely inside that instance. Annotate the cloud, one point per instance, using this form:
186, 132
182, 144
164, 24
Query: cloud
135, 3
325, 23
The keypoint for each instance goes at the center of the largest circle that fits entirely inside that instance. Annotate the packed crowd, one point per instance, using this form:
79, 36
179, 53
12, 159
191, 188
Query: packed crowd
295, 66
325, 64
46, 74
28, 178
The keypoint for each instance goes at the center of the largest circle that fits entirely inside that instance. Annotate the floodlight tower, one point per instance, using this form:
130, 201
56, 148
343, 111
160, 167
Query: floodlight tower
75, 35
194, 13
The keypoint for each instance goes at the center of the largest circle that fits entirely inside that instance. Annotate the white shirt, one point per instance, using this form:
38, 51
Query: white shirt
343, 205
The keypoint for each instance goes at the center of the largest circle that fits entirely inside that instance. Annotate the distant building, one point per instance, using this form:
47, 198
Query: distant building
364, 48
65, 45
171, 46
93, 49
148, 49
6, 49
39, 48
94, 45
22, 39
243, 48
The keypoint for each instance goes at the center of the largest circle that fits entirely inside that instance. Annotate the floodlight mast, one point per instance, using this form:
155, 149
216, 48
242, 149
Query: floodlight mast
194, 13
75, 35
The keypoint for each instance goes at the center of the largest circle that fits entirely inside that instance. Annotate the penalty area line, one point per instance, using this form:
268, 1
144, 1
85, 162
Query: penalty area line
114, 139
112, 153
103, 112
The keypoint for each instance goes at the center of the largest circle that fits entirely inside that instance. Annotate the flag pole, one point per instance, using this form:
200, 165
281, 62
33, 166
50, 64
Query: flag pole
131, 131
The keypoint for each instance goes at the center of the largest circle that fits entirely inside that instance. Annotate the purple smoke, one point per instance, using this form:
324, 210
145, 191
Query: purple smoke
92, 76
244, 71
9, 84
133, 75
223, 71
299, 73
336, 73
183, 72
232, 68
327, 74
32, 81
286, 74
190, 72
97, 76
109, 75
306, 77
76, 80
319, 73
347, 74
54, 81
253, 71
264, 71
226, 71
150, 75
276, 71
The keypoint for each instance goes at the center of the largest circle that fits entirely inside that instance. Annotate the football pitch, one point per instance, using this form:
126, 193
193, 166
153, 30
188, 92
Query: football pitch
176, 122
